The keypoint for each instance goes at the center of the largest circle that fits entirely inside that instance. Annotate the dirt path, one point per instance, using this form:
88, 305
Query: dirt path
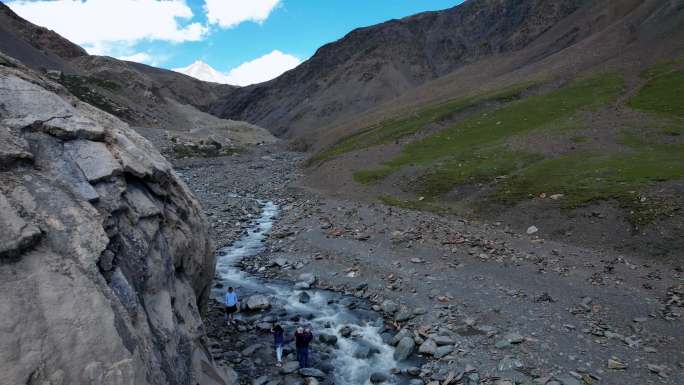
519, 308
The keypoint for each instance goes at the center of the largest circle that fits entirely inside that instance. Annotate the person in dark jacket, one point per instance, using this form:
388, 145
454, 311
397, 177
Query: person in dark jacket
303, 338
278, 342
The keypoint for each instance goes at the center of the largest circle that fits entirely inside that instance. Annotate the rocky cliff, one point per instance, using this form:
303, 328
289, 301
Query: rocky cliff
105, 263
374, 64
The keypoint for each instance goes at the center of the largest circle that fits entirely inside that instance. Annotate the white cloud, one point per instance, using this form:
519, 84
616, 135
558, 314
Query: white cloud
102, 25
262, 69
230, 13
139, 57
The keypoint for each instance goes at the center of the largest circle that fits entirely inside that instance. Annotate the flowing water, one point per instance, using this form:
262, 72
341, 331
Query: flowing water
355, 358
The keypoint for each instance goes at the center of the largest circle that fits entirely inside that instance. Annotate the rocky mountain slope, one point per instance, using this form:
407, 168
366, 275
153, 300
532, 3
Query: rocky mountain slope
105, 261
479, 44
139, 94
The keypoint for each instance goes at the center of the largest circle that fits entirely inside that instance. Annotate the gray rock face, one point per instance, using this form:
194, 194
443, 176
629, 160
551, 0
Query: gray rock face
106, 263
404, 349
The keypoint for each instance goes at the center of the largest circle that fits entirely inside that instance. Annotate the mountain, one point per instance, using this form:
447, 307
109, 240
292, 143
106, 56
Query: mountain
141, 95
203, 71
487, 40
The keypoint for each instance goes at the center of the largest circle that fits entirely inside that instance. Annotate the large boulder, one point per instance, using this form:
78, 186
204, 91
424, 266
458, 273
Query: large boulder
105, 262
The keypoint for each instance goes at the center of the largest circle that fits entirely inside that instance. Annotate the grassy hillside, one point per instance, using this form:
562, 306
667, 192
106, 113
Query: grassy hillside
497, 147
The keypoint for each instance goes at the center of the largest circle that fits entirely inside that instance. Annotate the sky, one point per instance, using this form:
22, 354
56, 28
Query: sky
248, 41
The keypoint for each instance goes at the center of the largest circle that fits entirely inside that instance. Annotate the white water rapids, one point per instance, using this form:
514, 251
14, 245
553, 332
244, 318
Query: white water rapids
324, 313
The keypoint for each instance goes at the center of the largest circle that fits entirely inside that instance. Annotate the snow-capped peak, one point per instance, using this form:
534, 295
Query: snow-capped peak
203, 71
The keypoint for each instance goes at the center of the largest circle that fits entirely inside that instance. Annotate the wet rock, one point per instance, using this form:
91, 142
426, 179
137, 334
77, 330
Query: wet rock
328, 339
346, 331
404, 349
304, 297
258, 302
378, 378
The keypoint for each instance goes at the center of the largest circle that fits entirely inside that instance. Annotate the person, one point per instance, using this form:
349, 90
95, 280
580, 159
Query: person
278, 342
303, 338
231, 303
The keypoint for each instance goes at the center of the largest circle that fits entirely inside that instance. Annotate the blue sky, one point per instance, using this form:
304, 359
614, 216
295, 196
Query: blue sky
225, 34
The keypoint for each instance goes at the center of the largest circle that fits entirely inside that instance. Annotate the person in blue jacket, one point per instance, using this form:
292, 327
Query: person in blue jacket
231, 302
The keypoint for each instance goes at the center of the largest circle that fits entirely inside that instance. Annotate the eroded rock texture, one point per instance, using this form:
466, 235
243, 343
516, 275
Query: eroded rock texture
105, 263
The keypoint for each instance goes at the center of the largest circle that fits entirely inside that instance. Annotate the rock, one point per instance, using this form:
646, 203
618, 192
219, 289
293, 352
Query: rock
428, 347
328, 339
346, 331
403, 315
93, 158
304, 297
311, 381
399, 336
566, 379
251, 349
260, 380
17, 235
378, 378
443, 340
509, 363
389, 306
311, 372
258, 302
416, 381
509, 339
616, 364
404, 349
289, 367
419, 311
308, 278
443, 351
107, 297
532, 230
293, 379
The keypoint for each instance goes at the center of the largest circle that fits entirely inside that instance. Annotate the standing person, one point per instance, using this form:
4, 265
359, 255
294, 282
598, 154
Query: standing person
231, 302
278, 342
303, 338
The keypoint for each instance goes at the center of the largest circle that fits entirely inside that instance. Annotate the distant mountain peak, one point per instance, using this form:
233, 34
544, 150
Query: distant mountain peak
203, 71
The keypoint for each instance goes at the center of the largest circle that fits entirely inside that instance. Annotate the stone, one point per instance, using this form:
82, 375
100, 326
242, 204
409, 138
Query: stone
93, 158
443, 351
258, 302
311, 372
403, 315
616, 364
378, 378
509, 339
311, 381
443, 340
403, 333
289, 367
251, 349
428, 347
389, 306
125, 297
260, 380
532, 230
404, 349
304, 297
17, 235
327, 339
416, 381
